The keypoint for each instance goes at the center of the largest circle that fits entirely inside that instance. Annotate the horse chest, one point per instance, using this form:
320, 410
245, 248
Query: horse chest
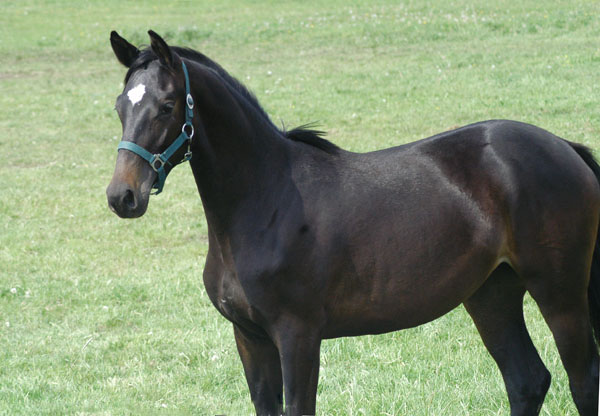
227, 294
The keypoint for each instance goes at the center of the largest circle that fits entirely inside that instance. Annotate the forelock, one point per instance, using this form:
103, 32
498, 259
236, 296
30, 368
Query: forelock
142, 61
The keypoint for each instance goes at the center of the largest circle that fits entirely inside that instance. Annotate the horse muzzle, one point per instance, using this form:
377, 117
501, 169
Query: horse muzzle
129, 190
126, 202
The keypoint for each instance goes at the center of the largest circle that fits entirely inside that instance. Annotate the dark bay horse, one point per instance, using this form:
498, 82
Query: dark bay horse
308, 241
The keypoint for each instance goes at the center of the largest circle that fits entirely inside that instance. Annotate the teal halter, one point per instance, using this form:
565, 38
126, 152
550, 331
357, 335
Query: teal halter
158, 161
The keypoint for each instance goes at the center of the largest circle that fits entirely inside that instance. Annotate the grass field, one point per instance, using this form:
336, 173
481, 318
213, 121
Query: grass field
105, 316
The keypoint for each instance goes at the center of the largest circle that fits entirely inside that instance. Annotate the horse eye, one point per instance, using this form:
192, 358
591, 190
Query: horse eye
167, 108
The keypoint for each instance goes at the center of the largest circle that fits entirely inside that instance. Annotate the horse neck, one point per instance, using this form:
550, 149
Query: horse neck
242, 158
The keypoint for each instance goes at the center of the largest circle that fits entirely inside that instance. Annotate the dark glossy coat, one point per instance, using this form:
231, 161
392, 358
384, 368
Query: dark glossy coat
308, 241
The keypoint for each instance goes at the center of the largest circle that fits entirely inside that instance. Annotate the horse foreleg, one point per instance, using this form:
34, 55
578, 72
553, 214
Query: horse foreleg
299, 349
262, 367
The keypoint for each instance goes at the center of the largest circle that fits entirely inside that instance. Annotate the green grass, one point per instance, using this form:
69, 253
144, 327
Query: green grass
105, 316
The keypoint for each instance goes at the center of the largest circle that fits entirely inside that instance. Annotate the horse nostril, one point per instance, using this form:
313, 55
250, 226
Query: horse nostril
129, 199
125, 201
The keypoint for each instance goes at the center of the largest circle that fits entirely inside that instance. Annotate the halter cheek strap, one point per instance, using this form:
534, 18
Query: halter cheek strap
159, 160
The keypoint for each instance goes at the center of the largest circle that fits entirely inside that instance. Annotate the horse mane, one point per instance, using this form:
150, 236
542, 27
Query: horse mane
303, 134
307, 134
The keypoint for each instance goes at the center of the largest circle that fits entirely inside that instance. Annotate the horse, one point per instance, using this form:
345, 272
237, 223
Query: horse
308, 241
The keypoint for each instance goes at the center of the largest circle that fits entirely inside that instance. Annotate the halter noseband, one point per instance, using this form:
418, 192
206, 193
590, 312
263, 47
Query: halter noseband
157, 161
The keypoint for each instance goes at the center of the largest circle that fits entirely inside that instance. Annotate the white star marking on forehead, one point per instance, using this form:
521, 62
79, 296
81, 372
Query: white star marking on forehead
136, 94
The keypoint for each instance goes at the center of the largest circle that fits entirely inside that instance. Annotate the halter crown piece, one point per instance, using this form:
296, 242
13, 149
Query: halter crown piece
157, 161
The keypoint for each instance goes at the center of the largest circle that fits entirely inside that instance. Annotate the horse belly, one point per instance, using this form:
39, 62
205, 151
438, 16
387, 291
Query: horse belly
407, 298
406, 273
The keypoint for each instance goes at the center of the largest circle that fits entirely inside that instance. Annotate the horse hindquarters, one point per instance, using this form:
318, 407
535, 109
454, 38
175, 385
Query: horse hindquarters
554, 221
560, 289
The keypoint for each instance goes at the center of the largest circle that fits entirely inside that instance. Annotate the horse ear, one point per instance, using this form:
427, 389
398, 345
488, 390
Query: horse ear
126, 53
161, 49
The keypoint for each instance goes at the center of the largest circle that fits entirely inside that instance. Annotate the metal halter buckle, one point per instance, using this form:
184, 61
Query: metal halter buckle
155, 159
190, 101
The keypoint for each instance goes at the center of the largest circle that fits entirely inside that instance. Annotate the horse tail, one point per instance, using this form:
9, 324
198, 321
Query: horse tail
594, 285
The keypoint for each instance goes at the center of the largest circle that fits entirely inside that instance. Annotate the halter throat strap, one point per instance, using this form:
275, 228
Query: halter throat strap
158, 160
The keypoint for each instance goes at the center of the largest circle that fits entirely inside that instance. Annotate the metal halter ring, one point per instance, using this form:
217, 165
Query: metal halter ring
159, 160
190, 101
191, 133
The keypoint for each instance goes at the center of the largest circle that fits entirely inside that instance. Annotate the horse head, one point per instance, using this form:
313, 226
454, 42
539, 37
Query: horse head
155, 109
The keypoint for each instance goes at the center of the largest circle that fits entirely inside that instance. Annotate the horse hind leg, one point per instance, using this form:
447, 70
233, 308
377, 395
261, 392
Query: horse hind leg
563, 301
497, 310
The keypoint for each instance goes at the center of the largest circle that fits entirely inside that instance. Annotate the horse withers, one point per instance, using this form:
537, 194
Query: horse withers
308, 241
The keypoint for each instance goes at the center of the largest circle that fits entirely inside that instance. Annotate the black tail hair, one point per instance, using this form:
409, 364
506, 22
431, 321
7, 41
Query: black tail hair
594, 287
